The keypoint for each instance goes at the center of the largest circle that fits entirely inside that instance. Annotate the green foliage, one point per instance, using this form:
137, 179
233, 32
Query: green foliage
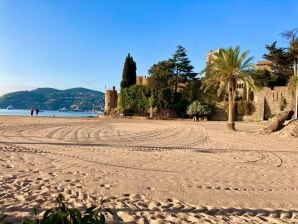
196, 108
134, 100
192, 91
64, 215
163, 98
227, 67
160, 75
183, 70
283, 104
129, 74
180, 106
159, 84
264, 78
243, 108
182, 66
283, 59
282, 62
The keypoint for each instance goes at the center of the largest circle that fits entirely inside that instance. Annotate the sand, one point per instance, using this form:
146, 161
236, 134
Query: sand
149, 171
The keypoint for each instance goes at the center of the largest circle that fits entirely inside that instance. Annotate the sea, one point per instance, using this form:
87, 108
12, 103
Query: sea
49, 113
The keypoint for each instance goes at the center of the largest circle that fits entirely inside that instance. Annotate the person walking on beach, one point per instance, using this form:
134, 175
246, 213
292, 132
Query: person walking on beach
37, 111
32, 111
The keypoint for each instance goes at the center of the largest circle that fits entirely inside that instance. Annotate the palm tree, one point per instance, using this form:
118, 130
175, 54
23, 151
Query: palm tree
227, 66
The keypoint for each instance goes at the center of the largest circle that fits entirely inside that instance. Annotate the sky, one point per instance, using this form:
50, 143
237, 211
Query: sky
83, 43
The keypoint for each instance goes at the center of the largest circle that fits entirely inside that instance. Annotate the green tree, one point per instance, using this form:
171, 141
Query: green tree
160, 75
264, 78
192, 91
134, 100
183, 70
229, 66
281, 64
159, 83
129, 74
293, 51
181, 63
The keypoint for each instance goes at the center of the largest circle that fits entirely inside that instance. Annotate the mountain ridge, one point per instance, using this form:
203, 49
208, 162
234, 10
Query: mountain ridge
54, 99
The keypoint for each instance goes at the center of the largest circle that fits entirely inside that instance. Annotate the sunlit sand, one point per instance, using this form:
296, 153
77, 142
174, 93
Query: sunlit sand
149, 171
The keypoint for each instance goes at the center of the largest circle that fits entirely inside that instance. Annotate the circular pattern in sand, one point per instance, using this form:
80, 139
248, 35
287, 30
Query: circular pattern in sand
197, 163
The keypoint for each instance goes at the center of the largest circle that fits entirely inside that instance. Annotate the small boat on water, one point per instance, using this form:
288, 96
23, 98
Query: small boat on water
63, 110
10, 107
75, 108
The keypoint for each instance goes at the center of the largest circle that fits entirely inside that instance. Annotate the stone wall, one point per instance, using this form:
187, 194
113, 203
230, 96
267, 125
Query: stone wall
268, 101
141, 80
110, 100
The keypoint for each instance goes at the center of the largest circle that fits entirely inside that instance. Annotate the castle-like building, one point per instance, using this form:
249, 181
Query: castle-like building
267, 101
111, 95
111, 98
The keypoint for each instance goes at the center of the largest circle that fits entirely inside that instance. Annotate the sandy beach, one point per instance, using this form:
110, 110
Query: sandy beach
149, 171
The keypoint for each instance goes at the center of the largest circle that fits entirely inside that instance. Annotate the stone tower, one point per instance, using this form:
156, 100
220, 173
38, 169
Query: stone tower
110, 100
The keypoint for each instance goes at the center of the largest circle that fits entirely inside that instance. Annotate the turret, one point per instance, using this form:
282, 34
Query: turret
110, 100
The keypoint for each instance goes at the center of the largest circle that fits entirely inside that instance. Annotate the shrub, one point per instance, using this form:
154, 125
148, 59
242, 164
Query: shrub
64, 215
134, 100
198, 109
244, 108
283, 104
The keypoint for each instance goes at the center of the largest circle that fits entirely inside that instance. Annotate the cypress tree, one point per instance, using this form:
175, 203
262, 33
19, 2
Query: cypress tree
129, 74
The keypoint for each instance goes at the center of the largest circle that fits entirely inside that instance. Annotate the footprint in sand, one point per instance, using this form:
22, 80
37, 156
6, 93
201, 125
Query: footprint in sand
52, 174
106, 186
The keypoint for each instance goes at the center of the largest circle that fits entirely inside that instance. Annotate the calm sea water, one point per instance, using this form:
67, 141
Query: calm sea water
48, 113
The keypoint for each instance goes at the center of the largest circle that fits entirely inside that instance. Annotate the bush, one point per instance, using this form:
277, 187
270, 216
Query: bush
134, 100
64, 215
198, 109
244, 108
283, 104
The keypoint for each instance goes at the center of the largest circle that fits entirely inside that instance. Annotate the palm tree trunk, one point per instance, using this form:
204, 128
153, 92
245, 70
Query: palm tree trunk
247, 93
296, 92
231, 122
151, 112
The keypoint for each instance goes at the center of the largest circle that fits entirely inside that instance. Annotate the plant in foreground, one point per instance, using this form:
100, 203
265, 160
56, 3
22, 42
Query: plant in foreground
64, 215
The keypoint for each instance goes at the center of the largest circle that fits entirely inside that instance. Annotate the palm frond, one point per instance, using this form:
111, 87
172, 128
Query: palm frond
227, 65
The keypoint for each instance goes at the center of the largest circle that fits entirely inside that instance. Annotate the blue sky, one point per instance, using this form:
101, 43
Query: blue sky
71, 43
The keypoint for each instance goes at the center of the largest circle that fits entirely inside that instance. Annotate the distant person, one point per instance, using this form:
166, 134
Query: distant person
37, 111
32, 111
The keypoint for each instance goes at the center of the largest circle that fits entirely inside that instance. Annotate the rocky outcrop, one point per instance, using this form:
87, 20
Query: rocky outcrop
276, 123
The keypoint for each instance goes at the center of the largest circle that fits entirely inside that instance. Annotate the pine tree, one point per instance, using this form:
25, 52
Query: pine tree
129, 74
183, 70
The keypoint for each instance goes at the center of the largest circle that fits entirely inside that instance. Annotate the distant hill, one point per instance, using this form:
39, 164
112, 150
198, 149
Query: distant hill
54, 99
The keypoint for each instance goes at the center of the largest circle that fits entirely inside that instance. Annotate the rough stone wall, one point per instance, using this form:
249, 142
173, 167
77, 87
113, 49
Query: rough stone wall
268, 101
110, 100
